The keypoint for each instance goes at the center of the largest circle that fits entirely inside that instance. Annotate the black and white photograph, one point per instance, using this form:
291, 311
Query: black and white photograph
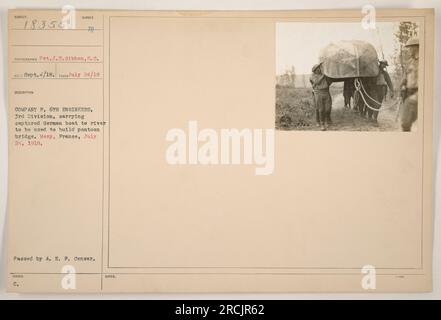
347, 76
220, 159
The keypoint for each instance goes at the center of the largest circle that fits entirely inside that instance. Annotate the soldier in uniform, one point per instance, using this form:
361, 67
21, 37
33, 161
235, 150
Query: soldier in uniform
383, 83
409, 86
322, 98
348, 91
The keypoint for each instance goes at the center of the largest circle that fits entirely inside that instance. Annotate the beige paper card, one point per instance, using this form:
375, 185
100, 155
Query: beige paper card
199, 152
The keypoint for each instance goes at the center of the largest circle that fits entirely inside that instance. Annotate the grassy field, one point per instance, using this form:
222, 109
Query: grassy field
294, 108
295, 111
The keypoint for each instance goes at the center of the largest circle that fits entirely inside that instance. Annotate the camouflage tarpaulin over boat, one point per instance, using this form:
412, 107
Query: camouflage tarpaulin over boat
348, 59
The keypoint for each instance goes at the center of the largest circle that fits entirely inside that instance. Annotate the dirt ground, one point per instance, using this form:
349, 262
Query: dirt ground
295, 111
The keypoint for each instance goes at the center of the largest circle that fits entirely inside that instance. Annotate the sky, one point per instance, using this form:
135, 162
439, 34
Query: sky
298, 43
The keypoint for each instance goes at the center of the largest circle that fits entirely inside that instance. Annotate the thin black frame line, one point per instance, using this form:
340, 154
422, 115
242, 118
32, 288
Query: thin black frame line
287, 18
56, 45
57, 29
49, 62
213, 273
56, 79
102, 172
274, 268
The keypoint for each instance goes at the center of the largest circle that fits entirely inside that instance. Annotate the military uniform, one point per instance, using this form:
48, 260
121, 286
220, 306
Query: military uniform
322, 98
383, 83
410, 95
348, 91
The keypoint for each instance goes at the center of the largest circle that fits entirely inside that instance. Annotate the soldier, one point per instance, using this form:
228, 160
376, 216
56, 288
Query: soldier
409, 86
383, 83
322, 98
348, 91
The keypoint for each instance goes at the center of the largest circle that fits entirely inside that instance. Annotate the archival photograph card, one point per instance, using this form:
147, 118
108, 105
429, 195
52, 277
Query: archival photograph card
220, 151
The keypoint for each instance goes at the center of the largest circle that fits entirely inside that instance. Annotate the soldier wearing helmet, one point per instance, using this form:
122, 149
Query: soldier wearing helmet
322, 98
409, 86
